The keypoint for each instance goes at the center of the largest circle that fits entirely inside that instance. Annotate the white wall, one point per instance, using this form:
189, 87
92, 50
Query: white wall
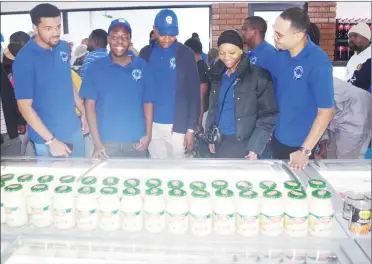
353, 9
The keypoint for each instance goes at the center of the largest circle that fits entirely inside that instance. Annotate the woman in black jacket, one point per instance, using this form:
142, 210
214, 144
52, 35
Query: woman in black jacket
242, 106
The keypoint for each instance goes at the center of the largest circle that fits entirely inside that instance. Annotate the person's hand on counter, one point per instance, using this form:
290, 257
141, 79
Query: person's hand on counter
251, 156
298, 160
99, 152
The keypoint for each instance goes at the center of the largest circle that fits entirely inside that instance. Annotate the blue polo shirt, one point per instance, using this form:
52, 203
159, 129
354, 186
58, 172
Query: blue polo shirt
227, 119
119, 94
260, 55
303, 84
45, 77
162, 84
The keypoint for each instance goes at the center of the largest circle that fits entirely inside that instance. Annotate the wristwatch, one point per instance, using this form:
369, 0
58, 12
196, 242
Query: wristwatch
305, 151
48, 142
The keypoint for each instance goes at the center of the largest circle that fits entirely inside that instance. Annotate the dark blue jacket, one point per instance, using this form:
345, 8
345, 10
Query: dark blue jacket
187, 102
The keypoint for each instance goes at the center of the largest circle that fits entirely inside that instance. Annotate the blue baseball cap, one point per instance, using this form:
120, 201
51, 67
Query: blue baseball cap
120, 22
167, 23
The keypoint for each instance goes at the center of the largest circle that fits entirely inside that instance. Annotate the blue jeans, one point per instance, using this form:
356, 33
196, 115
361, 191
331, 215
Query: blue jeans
77, 141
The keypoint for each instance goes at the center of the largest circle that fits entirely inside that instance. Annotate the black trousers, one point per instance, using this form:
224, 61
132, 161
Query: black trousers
230, 148
281, 151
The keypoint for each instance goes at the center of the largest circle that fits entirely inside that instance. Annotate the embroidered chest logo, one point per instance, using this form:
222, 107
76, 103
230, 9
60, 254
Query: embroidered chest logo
64, 56
169, 20
298, 72
254, 60
137, 74
172, 63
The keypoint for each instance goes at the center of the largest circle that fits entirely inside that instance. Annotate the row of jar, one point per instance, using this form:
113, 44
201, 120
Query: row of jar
106, 210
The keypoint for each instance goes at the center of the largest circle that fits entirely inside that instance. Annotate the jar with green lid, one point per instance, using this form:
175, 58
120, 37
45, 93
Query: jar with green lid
197, 186
219, 185
131, 210
200, 213
175, 184
90, 181
40, 204
248, 213
154, 210
110, 181
87, 208
27, 181
321, 213
8, 178
15, 206
315, 184
2, 192
49, 180
177, 212
109, 205
243, 186
296, 214
132, 183
272, 212
153, 183
264, 186
63, 204
224, 212
290, 186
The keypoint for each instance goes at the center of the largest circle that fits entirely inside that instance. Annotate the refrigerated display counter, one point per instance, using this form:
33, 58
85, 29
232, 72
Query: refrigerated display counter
49, 245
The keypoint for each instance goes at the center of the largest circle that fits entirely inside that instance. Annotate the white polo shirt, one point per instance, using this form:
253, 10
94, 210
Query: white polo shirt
358, 69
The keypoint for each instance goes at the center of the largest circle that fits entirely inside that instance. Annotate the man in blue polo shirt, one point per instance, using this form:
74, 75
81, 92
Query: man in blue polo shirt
118, 111
44, 90
174, 89
254, 31
302, 74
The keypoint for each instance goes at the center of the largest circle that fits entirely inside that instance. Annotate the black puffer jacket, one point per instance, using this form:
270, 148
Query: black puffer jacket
255, 103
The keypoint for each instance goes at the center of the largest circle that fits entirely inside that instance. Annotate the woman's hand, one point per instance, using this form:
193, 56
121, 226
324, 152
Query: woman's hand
251, 156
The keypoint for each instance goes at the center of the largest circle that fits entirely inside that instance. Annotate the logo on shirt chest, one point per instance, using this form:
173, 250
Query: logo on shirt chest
298, 72
64, 56
137, 74
254, 60
172, 63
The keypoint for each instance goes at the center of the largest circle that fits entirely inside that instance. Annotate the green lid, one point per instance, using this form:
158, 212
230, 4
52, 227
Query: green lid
7, 177
317, 184
2, 183
131, 192
200, 194
153, 183
63, 189
198, 185
177, 193
292, 185
272, 194
110, 181
297, 195
175, 184
220, 184
45, 179
89, 180
25, 178
321, 194
87, 190
267, 185
248, 194
109, 190
243, 185
39, 188
224, 193
154, 192
67, 179
132, 183
13, 188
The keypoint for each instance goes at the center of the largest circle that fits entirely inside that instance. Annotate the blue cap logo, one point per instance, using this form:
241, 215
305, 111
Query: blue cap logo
169, 20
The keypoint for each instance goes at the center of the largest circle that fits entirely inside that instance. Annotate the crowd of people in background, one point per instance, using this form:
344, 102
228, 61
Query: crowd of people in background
244, 99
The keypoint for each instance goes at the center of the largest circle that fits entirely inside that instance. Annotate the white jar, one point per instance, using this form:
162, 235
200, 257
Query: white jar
40, 203
109, 205
132, 183
243, 186
15, 206
90, 181
321, 213
197, 186
48, 180
153, 183
2, 193
131, 210
296, 214
63, 204
290, 186
69, 180
266, 186
87, 208
177, 212
248, 213
154, 210
219, 185
224, 212
8, 179
272, 210
175, 184
110, 181
27, 182
200, 213
315, 184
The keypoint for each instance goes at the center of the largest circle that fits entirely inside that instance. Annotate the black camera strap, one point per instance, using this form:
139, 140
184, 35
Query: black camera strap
224, 100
